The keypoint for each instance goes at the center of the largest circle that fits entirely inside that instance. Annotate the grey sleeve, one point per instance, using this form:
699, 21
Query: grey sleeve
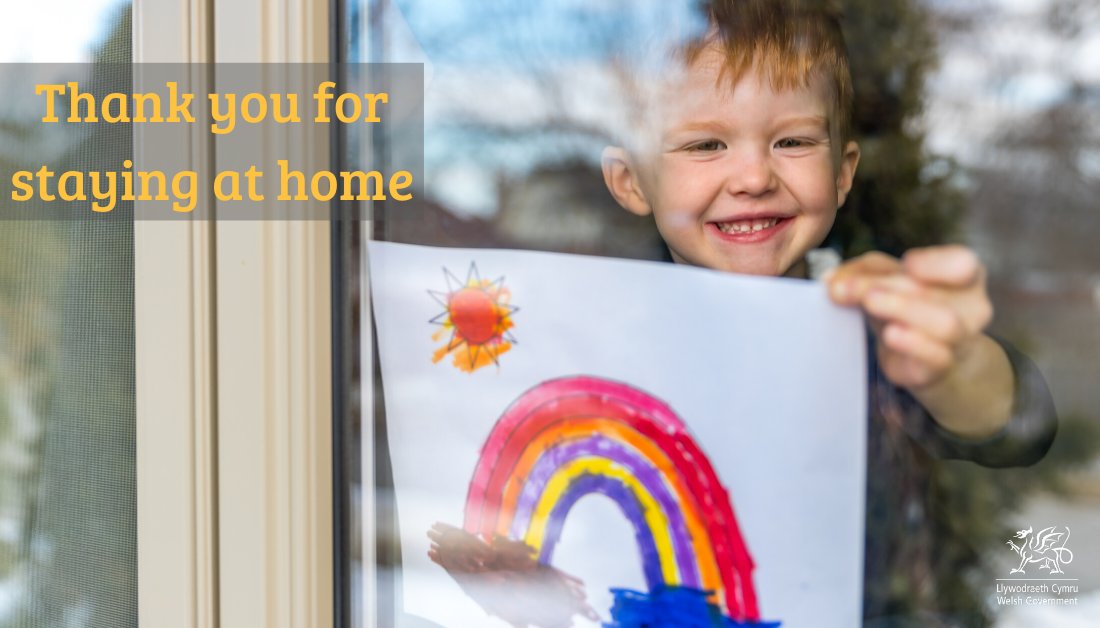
1022, 442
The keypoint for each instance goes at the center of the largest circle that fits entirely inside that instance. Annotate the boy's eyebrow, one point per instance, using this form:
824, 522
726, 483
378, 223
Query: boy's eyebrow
822, 121
688, 127
719, 125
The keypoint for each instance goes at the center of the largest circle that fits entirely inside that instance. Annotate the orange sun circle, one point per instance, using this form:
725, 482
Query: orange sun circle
478, 317
474, 314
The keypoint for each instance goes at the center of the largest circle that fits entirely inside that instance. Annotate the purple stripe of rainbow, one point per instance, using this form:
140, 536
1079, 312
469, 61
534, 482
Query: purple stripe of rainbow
630, 459
625, 498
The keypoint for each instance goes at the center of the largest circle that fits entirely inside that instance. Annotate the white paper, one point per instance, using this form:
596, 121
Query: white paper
768, 375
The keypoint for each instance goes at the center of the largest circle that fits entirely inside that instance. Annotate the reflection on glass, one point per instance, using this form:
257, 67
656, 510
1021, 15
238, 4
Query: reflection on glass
977, 123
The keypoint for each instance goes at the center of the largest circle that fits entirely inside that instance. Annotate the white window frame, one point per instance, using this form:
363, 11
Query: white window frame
233, 360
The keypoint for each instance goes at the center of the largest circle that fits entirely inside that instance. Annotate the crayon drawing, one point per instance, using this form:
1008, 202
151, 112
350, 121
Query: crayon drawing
569, 438
475, 320
667, 447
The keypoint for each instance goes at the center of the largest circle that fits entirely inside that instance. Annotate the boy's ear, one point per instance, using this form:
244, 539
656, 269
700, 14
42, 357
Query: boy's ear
847, 172
622, 181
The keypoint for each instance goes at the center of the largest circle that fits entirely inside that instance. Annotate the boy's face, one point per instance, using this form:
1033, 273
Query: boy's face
740, 178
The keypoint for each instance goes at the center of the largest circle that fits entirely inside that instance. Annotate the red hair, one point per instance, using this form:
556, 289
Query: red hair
788, 42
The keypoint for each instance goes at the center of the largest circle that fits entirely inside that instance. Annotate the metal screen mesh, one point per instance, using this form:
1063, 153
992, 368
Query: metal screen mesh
68, 543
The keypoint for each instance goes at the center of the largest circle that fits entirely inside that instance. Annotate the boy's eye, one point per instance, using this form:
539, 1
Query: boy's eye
706, 146
789, 142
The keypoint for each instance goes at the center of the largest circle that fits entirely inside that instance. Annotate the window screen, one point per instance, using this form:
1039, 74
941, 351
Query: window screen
68, 545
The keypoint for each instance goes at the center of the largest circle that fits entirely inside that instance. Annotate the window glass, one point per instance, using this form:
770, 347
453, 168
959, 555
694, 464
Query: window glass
977, 122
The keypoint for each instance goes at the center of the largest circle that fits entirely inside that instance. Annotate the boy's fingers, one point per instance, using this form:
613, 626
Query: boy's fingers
949, 265
873, 263
934, 319
852, 287
913, 359
896, 283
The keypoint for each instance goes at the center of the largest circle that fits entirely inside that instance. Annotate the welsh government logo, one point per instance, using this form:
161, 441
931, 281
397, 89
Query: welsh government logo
1046, 547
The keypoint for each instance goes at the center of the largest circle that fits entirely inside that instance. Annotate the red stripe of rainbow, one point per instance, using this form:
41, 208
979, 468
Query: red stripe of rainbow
539, 444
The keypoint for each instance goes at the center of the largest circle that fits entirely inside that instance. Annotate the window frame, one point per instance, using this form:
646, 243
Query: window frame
233, 360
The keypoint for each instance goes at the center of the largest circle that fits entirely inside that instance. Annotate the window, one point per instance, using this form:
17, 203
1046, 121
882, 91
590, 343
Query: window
516, 115
68, 552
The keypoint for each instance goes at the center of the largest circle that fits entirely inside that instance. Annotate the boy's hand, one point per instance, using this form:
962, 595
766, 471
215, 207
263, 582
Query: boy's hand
929, 310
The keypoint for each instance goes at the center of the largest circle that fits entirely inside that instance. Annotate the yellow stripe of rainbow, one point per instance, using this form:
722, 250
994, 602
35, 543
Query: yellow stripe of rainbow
654, 516
581, 428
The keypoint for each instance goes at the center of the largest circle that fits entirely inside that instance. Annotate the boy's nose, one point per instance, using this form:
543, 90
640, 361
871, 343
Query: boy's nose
750, 174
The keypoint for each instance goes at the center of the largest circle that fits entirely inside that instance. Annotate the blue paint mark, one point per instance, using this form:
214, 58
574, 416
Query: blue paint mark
671, 607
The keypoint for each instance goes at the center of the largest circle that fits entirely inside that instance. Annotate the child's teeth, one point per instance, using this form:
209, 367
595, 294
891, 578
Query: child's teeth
747, 226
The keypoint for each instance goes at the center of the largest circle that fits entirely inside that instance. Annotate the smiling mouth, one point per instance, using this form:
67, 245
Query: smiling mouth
754, 225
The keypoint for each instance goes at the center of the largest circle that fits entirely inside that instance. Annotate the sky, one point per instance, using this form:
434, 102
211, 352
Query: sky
968, 98
1006, 67
989, 77
33, 31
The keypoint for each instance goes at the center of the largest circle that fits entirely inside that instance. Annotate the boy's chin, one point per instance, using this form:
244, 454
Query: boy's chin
763, 267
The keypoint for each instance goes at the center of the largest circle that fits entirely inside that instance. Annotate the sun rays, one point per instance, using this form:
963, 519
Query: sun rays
475, 320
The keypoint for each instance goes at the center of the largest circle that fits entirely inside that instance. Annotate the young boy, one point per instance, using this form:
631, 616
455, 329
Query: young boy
744, 172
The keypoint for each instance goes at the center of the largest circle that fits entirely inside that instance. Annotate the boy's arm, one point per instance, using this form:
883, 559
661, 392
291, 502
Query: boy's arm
973, 399
1024, 440
928, 311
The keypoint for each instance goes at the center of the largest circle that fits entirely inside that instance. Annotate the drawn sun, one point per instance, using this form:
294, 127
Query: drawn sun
477, 315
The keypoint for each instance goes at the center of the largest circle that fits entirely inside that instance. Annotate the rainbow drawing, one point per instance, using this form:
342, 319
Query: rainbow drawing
571, 437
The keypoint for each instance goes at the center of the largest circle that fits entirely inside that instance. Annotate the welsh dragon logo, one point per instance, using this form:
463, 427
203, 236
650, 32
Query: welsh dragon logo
1043, 548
